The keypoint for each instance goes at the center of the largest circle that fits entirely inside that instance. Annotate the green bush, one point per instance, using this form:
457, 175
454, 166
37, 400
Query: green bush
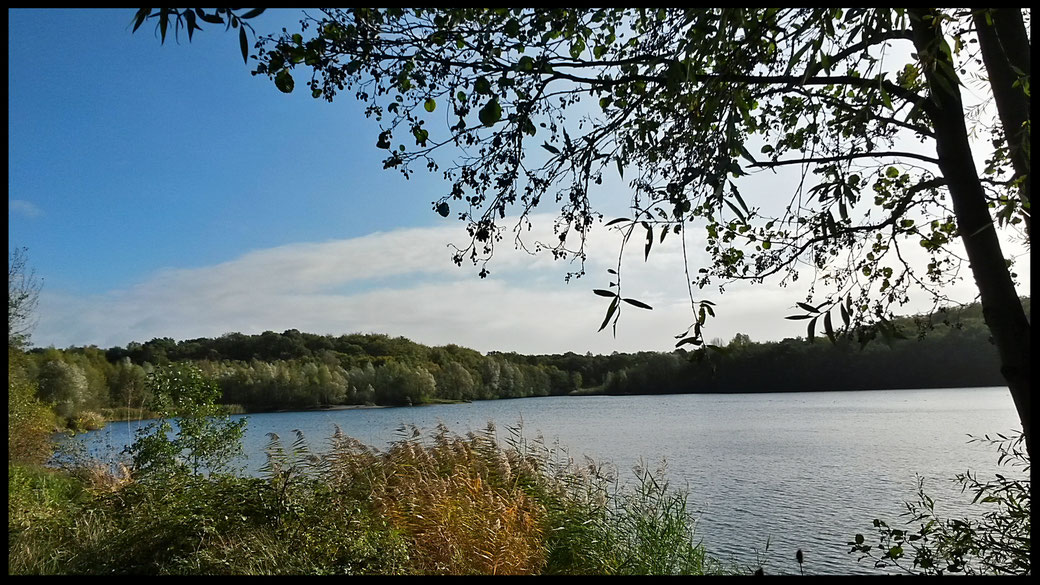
30, 422
995, 542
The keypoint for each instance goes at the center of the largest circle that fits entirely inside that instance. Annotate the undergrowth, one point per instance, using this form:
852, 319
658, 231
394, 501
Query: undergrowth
435, 504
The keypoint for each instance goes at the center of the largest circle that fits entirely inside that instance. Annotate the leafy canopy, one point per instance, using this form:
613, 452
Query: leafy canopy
682, 104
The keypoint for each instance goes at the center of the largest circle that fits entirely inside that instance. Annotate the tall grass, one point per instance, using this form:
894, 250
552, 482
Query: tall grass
430, 504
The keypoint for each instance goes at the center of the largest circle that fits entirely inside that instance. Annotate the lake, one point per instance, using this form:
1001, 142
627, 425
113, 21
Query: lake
792, 470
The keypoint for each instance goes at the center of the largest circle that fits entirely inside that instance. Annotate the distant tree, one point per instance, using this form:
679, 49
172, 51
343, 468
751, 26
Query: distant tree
64, 385
865, 102
23, 295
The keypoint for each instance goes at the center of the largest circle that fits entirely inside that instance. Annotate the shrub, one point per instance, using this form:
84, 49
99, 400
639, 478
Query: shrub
30, 422
996, 542
206, 438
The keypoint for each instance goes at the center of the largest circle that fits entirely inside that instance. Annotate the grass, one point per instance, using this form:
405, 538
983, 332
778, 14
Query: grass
428, 505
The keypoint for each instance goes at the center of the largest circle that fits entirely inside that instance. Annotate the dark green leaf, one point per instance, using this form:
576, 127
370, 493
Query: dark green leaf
253, 13
604, 293
139, 18
164, 21
210, 18
243, 44
798, 317
284, 81
610, 313
552, 149
807, 307
443, 209
490, 113
639, 304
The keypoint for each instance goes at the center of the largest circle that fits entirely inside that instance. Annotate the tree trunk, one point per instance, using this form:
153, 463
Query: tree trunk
1001, 306
1005, 49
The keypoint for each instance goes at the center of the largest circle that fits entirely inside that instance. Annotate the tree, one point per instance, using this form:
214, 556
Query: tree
866, 104
206, 438
65, 385
23, 295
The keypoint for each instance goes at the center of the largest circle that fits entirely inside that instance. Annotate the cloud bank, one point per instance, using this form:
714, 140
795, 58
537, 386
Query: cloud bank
403, 283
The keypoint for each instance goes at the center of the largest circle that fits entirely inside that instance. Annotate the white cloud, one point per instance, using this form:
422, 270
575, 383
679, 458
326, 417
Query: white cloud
403, 283
21, 207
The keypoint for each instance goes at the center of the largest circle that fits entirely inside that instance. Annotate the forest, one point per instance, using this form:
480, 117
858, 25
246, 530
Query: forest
295, 370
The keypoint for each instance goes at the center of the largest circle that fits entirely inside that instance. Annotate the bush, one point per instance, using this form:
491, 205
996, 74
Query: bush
997, 542
30, 422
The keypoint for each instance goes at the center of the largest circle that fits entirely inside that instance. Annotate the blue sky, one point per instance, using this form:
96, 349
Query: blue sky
162, 190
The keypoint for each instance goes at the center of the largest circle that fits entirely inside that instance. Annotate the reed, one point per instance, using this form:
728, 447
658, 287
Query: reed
430, 504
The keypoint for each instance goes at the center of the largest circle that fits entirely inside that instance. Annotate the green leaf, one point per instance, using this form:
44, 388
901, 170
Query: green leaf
811, 330
828, 327
490, 113
885, 99
610, 313
443, 209
252, 13
482, 85
552, 149
284, 81
210, 18
639, 304
430, 105
243, 43
798, 317
604, 293
807, 307
142, 14
691, 340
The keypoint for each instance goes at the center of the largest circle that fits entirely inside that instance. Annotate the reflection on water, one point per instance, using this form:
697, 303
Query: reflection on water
767, 473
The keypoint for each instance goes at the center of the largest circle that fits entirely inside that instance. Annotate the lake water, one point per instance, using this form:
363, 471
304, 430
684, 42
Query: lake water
793, 470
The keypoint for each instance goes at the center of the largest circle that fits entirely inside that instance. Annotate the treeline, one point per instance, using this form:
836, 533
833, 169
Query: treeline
291, 370
948, 349
301, 370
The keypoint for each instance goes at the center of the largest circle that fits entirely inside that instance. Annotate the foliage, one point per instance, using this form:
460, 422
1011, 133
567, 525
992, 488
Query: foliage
439, 505
302, 370
679, 97
998, 542
30, 422
206, 438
